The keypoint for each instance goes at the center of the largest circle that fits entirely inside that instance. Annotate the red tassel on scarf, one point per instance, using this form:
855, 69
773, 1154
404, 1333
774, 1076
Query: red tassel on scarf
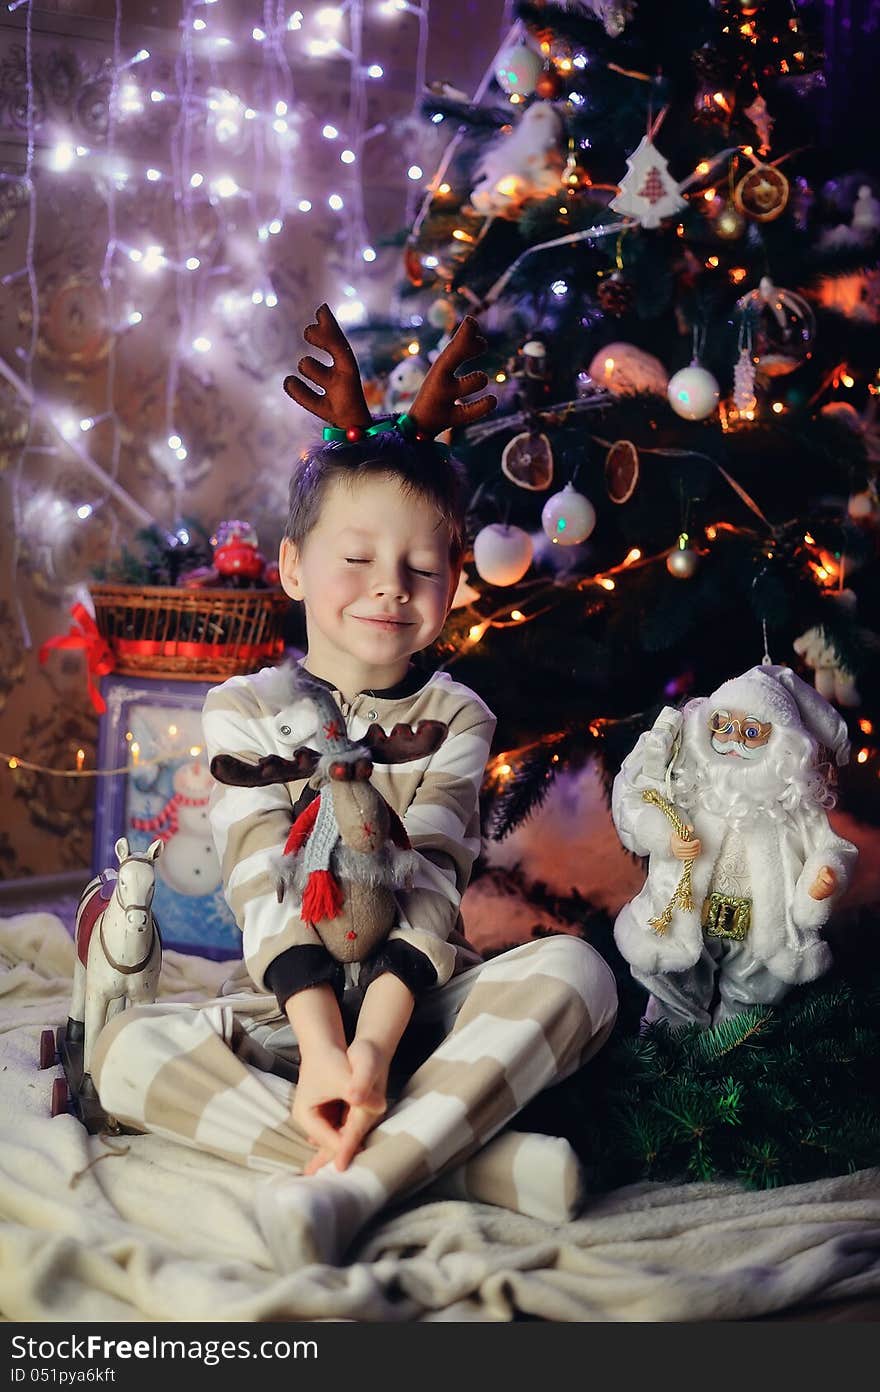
300, 831
322, 899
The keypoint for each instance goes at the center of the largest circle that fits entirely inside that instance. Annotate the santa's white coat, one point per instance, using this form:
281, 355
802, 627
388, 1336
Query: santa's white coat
783, 857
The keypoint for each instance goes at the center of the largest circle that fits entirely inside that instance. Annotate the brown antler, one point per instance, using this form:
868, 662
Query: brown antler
342, 403
437, 405
404, 742
271, 769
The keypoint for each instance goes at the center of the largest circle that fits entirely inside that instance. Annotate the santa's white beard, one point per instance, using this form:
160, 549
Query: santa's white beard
770, 786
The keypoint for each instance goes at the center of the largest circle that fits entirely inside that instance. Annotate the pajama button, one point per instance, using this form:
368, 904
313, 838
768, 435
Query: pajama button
372, 715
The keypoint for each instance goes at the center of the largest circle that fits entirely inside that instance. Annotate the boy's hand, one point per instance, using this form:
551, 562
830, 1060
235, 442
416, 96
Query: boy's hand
321, 1104
365, 1104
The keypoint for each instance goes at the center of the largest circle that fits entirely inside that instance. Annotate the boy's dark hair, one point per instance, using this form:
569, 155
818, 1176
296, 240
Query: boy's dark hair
420, 467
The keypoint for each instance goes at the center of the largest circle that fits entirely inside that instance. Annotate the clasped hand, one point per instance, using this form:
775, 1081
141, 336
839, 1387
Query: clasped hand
340, 1097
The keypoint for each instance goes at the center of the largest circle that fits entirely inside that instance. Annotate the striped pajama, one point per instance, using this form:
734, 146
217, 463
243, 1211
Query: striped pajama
218, 1077
482, 1041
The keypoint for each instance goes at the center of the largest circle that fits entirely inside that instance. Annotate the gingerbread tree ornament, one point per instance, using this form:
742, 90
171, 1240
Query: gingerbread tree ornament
648, 192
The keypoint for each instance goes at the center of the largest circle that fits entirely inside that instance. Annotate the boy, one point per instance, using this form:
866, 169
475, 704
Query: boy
373, 551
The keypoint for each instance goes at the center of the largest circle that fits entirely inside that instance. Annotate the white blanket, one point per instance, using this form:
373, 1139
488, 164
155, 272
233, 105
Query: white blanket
160, 1232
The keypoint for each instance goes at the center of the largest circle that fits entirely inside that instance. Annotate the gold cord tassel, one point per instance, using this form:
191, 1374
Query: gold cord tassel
683, 895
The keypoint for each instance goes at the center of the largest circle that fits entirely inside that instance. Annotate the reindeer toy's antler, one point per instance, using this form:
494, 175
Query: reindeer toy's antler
341, 404
348, 850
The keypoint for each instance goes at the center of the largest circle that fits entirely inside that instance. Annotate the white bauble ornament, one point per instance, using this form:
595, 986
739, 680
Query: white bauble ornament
861, 507
693, 392
624, 370
682, 562
517, 70
568, 517
502, 554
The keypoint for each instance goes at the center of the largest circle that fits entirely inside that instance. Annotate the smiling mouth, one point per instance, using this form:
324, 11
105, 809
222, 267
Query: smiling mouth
383, 621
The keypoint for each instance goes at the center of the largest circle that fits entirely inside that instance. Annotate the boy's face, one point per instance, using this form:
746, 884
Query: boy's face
375, 577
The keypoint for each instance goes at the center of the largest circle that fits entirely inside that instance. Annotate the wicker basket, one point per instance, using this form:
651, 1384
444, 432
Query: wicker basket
190, 635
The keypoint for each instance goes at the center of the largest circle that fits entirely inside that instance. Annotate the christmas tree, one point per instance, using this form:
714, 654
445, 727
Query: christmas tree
678, 283
679, 286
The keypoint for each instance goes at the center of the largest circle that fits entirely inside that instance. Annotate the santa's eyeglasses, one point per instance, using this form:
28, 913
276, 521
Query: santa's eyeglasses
749, 731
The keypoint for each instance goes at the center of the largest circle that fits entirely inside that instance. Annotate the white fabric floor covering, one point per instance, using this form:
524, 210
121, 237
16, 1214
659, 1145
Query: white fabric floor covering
161, 1232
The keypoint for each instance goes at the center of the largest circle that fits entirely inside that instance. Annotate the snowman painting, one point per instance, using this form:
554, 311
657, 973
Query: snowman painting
189, 863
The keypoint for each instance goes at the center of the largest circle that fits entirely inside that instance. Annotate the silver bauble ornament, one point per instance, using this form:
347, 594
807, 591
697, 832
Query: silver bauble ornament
682, 562
693, 392
568, 517
502, 554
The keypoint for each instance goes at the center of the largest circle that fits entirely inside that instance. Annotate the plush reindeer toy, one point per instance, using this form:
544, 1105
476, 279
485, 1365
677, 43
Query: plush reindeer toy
348, 851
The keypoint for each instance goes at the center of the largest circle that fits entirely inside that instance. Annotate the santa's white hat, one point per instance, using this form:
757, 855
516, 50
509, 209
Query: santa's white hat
777, 694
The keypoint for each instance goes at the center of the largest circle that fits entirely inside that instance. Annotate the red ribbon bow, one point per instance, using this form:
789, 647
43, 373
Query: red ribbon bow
99, 657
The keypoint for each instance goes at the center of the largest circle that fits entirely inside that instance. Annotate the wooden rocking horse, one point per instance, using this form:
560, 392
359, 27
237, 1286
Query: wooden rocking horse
118, 960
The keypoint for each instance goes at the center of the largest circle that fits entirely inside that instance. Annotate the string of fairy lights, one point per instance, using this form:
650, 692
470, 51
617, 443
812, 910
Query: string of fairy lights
228, 156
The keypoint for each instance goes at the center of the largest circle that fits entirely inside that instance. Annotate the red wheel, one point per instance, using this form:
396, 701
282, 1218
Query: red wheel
47, 1048
59, 1097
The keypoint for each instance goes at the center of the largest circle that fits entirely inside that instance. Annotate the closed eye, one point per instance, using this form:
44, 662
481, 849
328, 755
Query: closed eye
356, 560
430, 574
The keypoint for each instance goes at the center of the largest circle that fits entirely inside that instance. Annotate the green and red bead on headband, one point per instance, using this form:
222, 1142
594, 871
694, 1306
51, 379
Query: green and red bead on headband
340, 402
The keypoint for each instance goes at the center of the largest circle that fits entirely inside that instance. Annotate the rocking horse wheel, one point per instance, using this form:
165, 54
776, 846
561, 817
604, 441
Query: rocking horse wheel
48, 1050
60, 1097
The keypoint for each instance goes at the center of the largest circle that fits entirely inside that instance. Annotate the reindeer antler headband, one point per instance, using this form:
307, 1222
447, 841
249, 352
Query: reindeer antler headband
341, 404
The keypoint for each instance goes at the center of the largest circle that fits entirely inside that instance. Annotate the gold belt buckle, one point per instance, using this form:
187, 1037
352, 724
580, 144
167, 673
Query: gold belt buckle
726, 916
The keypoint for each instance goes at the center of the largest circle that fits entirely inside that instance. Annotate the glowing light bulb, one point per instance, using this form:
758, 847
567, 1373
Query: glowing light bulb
375, 70
153, 258
199, 25
257, 297
304, 205
351, 312
271, 299
192, 263
141, 55
202, 344
135, 317
445, 188
62, 156
174, 442
330, 133
431, 262
225, 186
181, 453
368, 254
280, 126
135, 255
84, 510
413, 348
516, 615
86, 424
559, 288
258, 35
862, 756
414, 172
154, 175
275, 226
329, 16
281, 108
335, 202
156, 95
249, 113
778, 407
296, 19
348, 156
196, 180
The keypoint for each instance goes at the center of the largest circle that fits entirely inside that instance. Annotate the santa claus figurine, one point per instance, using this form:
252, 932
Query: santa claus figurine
728, 799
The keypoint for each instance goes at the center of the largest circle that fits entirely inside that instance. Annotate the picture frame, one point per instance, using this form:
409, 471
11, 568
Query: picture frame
151, 733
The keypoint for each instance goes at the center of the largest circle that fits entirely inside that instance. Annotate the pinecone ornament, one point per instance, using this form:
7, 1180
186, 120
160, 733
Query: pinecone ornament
616, 295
